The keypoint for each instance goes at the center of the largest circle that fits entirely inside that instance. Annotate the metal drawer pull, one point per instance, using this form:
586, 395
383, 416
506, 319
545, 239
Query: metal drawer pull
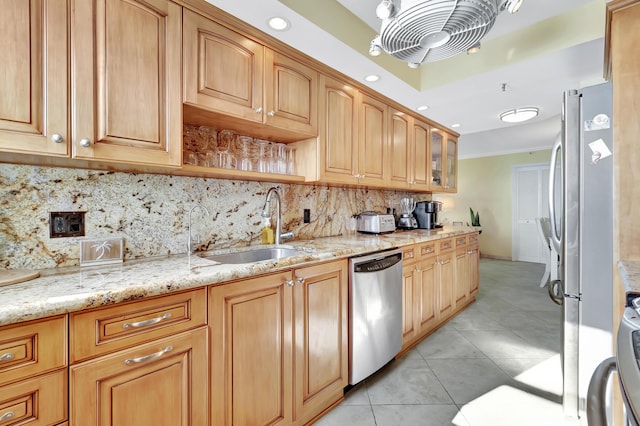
146, 323
6, 357
6, 416
148, 357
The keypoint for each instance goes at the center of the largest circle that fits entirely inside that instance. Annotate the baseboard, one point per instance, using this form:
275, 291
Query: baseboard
490, 256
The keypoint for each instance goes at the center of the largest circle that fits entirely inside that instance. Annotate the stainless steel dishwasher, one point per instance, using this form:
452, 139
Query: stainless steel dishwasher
375, 312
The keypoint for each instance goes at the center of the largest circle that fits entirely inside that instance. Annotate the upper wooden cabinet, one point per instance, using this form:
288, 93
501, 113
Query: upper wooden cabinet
409, 152
353, 136
231, 74
34, 100
126, 103
444, 161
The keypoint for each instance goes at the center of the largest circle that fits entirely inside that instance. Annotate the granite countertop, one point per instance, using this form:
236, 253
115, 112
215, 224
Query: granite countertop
630, 275
63, 290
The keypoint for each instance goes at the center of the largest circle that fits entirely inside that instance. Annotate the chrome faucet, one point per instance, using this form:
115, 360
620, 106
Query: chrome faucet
197, 237
266, 212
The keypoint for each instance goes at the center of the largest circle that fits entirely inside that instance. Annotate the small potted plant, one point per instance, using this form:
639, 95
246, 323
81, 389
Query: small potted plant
475, 220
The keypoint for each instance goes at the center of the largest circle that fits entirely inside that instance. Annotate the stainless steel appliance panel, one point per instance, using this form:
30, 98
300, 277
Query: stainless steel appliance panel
375, 312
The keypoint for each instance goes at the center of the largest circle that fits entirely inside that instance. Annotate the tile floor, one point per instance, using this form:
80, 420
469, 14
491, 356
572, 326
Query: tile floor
496, 363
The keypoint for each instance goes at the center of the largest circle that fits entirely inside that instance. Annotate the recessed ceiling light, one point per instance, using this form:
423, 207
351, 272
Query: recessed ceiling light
422, 108
455, 126
278, 23
518, 115
371, 78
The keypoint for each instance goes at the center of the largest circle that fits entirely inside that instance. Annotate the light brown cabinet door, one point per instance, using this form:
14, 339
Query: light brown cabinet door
451, 164
427, 295
421, 156
223, 70
320, 313
474, 269
400, 150
34, 100
251, 352
38, 401
163, 383
435, 166
461, 277
372, 150
409, 279
127, 103
445, 278
291, 94
338, 133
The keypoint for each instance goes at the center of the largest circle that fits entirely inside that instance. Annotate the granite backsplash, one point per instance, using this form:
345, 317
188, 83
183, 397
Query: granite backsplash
151, 212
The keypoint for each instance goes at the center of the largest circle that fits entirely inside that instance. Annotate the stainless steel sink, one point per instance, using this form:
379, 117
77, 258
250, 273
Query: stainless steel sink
255, 255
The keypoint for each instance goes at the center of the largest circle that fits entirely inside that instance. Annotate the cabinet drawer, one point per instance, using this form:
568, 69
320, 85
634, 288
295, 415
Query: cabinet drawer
38, 401
32, 348
409, 254
427, 249
461, 241
109, 329
473, 238
445, 245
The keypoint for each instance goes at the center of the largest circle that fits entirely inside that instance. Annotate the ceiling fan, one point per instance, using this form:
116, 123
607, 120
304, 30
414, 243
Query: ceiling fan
418, 31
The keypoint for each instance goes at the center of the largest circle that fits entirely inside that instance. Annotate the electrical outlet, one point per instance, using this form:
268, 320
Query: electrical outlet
306, 215
66, 224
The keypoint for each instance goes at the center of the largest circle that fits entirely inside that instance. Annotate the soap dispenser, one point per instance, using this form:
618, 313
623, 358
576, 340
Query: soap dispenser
267, 231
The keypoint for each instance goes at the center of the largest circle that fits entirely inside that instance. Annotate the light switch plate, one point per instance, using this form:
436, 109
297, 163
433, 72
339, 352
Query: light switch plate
101, 251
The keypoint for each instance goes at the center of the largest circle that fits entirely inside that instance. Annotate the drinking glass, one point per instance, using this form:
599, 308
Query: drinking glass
264, 154
224, 156
243, 153
279, 160
290, 156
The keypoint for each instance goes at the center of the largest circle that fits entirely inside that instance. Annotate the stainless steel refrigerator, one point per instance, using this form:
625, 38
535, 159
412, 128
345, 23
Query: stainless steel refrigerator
581, 217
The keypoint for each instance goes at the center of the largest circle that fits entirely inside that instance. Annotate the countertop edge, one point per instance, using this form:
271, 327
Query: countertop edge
75, 289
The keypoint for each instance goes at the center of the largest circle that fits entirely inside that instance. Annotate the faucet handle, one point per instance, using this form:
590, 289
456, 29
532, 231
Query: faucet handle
287, 235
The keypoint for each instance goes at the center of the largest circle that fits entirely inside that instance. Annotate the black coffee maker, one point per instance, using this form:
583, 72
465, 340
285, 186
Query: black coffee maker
426, 214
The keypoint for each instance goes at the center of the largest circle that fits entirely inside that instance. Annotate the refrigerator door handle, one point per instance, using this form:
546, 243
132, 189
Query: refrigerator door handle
555, 236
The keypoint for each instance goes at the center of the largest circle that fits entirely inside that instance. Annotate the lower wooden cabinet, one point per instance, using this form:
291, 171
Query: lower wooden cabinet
164, 382
279, 346
438, 280
321, 333
38, 401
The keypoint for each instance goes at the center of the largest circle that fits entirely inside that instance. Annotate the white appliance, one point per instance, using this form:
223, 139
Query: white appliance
582, 230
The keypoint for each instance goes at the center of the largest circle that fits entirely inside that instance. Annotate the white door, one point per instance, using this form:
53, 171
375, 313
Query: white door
530, 186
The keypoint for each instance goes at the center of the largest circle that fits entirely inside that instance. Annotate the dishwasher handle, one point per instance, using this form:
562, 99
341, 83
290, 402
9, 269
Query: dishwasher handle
377, 265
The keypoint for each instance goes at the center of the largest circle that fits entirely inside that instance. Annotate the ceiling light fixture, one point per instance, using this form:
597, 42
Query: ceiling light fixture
455, 126
371, 78
518, 115
419, 31
473, 49
278, 23
512, 6
374, 48
422, 108
385, 9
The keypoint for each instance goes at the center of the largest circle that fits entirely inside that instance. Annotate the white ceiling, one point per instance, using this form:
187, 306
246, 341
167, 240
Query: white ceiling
561, 61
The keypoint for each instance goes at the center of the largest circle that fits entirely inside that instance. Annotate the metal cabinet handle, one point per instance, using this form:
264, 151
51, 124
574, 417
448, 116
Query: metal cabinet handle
271, 113
300, 280
146, 323
259, 110
57, 138
6, 357
6, 416
85, 142
290, 283
146, 358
